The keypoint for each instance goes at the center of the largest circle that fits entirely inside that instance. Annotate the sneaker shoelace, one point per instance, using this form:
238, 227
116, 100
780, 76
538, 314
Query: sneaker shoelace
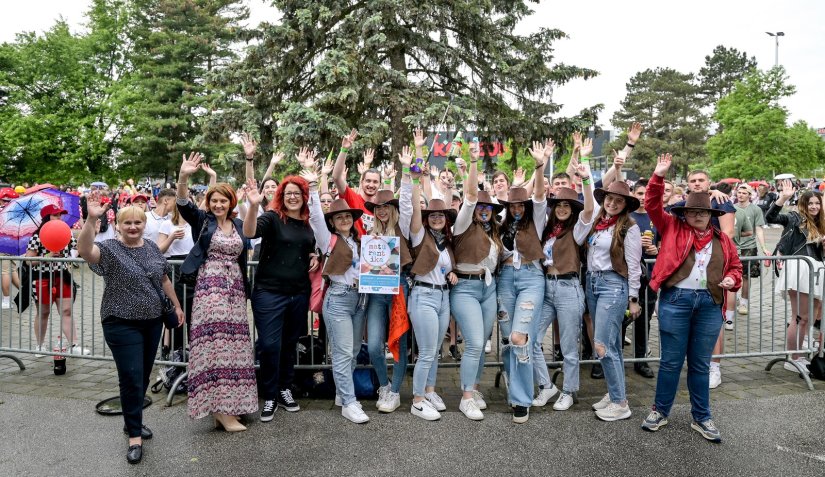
286, 395
269, 406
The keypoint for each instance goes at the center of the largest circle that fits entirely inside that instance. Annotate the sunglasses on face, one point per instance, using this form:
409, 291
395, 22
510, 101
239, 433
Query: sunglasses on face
484, 208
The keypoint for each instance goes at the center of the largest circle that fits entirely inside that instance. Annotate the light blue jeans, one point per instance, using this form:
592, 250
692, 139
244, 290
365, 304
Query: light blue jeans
520, 299
607, 302
564, 304
378, 318
430, 315
343, 312
473, 305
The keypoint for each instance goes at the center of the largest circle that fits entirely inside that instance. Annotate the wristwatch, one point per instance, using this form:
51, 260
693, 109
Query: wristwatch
633, 299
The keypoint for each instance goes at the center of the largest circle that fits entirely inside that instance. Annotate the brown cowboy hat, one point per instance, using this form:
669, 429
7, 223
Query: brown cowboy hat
698, 201
383, 197
438, 205
485, 199
618, 188
338, 206
566, 194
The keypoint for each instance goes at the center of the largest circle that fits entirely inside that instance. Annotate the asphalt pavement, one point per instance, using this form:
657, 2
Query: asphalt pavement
783, 435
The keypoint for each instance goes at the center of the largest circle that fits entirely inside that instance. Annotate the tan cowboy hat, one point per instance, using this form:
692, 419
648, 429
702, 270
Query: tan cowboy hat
618, 188
383, 197
698, 201
568, 195
485, 199
338, 206
438, 205
517, 195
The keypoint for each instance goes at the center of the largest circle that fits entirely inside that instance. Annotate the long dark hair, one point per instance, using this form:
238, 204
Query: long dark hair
552, 221
265, 201
623, 223
525, 221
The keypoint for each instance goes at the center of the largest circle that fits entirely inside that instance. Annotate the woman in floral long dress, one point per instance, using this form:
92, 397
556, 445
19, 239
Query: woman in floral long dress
221, 377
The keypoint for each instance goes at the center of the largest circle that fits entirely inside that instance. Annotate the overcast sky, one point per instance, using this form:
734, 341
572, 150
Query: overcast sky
616, 38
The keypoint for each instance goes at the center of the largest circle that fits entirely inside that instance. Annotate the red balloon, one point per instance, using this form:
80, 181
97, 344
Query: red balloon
55, 235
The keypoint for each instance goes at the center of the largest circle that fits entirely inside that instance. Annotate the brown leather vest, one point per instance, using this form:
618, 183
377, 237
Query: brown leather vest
340, 260
528, 244
715, 270
406, 257
426, 256
566, 258
472, 246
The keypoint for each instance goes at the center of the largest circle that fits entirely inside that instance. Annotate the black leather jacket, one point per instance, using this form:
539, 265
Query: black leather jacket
794, 240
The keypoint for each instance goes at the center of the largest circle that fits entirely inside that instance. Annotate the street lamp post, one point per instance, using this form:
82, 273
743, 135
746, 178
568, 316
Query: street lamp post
776, 36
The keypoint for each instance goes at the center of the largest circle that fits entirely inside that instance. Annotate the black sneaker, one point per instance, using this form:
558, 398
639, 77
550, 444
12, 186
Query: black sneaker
455, 353
643, 370
268, 411
521, 414
597, 372
285, 401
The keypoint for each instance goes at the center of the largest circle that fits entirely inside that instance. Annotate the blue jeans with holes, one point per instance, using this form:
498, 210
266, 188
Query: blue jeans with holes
564, 304
607, 302
343, 312
430, 315
473, 305
689, 324
378, 318
520, 299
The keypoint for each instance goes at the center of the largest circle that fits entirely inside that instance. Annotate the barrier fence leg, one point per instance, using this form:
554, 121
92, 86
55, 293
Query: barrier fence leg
171, 396
15, 359
802, 372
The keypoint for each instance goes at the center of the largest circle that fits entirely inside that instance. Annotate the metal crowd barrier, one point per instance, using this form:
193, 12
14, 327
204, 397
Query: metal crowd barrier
756, 334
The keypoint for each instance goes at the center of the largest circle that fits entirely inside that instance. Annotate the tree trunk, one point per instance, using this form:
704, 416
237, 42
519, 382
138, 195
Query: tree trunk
398, 131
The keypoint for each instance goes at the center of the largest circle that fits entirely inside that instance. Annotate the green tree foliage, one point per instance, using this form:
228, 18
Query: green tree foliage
755, 141
668, 105
387, 66
164, 97
722, 70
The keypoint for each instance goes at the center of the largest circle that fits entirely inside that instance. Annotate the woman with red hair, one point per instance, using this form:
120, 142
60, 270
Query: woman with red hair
280, 299
221, 377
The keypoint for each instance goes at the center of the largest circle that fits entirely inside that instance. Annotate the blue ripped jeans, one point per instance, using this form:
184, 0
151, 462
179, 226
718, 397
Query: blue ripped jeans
378, 318
607, 301
343, 312
520, 298
564, 304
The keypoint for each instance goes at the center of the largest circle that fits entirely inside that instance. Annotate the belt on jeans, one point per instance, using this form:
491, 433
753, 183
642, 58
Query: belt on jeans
563, 276
344, 285
429, 285
469, 276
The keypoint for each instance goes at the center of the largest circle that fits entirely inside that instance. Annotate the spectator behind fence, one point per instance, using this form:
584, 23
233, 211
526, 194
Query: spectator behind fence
52, 284
133, 270
175, 241
696, 265
221, 377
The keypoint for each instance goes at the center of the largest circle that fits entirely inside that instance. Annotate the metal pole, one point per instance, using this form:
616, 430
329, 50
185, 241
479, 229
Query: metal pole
776, 54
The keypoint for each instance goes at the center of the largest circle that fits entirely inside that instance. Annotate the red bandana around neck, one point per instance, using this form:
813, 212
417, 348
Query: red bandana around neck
605, 223
701, 238
557, 230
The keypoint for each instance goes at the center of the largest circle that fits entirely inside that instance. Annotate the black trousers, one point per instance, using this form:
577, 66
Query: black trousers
134, 344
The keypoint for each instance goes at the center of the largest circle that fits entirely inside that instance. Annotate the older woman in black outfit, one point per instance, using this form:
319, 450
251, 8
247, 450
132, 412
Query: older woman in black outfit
133, 270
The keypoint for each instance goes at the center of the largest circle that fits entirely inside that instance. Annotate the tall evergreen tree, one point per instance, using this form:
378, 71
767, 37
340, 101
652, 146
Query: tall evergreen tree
722, 70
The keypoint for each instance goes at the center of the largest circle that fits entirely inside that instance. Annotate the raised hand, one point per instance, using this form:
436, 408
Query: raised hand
634, 132
303, 157
326, 169
94, 207
252, 192
587, 147
418, 138
348, 140
191, 165
405, 156
537, 151
663, 164
787, 189
583, 170
618, 159
433, 170
369, 155
241, 193
388, 173
206, 168
549, 149
309, 175
362, 168
518, 177
277, 157
249, 145
577, 140
475, 151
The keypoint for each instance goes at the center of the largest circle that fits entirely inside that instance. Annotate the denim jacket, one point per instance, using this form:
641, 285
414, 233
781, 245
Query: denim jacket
206, 224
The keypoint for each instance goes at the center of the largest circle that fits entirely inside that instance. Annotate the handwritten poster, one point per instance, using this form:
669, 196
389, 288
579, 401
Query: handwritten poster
380, 270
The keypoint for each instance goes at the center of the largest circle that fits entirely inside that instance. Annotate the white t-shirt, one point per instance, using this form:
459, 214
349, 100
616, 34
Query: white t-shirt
153, 223
108, 234
180, 246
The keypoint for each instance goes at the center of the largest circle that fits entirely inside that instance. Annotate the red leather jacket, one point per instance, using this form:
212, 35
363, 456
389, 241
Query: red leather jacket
677, 240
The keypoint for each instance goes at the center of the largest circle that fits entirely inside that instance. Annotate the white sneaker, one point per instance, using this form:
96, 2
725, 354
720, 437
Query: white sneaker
545, 395
392, 401
80, 351
614, 412
715, 377
801, 361
425, 410
627, 340
564, 402
729, 325
38, 351
603, 403
470, 409
479, 399
338, 401
488, 347
7, 304
354, 413
436, 401
382, 395
742, 310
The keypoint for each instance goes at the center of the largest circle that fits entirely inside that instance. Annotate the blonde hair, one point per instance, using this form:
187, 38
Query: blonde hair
392, 220
131, 212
